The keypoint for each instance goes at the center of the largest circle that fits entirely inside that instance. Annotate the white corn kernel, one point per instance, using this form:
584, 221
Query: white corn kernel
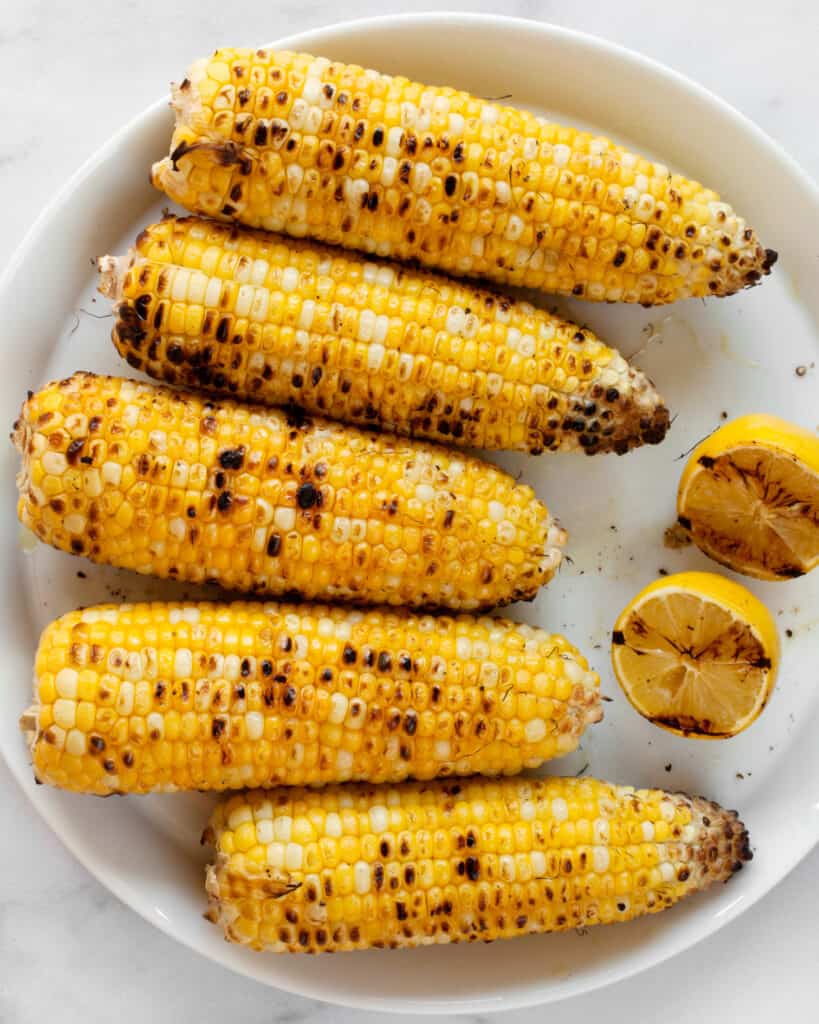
366, 325
290, 279
293, 855
264, 832
574, 673
254, 725
76, 743
561, 154
213, 292
442, 751
54, 463
344, 764
75, 523
283, 828
244, 300
463, 648
535, 730
667, 810
667, 871
284, 518
275, 855
560, 809
379, 819
332, 825
338, 709
111, 473
65, 713
66, 683
388, 169
361, 877
183, 663
395, 137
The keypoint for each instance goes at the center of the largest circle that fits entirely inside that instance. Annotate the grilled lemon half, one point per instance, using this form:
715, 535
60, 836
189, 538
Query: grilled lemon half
749, 497
696, 654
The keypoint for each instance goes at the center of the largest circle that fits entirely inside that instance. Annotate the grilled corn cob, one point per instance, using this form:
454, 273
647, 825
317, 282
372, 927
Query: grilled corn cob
359, 866
309, 146
168, 484
135, 698
203, 305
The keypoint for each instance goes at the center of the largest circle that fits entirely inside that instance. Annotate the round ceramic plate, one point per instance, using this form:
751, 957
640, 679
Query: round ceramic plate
711, 359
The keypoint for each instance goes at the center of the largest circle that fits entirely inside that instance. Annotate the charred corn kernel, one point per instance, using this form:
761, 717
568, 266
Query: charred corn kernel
283, 503
363, 689
526, 872
352, 339
313, 147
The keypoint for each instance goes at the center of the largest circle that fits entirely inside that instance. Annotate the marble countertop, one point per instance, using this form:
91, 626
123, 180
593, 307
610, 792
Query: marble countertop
73, 74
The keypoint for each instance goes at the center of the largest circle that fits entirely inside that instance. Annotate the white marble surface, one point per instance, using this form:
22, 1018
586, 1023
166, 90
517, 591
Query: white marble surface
72, 74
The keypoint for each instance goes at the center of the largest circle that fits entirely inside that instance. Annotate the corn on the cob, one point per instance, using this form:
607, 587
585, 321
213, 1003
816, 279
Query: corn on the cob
135, 698
200, 304
309, 146
359, 866
168, 484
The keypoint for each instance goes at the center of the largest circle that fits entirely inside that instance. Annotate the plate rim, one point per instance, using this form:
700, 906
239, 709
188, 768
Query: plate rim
530, 995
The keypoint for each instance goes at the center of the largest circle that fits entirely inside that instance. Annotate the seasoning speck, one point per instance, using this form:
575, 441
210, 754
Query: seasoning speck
676, 537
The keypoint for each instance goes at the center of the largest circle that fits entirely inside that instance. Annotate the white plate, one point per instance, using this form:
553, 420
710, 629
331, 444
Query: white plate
731, 355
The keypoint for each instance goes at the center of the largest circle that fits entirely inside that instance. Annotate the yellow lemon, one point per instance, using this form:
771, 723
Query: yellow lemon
749, 497
696, 654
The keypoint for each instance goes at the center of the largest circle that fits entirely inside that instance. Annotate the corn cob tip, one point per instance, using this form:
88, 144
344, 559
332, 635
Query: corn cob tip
724, 838
651, 415
639, 413
743, 265
591, 704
